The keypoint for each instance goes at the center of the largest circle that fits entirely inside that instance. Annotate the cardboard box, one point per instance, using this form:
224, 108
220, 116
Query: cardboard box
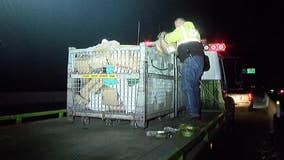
92, 86
110, 96
82, 65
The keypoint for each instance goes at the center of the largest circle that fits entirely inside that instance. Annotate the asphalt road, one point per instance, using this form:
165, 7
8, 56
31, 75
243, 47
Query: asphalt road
250, 139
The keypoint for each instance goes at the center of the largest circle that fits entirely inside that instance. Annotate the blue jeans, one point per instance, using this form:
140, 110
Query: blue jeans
192, 70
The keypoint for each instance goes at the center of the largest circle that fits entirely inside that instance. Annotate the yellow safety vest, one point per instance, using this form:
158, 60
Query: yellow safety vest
183, 34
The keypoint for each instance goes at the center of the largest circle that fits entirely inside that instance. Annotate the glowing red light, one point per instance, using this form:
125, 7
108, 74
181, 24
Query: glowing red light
219, 47
206, 47
280, 92
213, 47
250, 96
222, 47
148, 43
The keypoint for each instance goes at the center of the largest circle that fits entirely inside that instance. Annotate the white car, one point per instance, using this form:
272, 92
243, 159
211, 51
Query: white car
242, 98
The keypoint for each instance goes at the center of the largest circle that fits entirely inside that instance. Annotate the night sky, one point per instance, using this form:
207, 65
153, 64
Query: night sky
35, 34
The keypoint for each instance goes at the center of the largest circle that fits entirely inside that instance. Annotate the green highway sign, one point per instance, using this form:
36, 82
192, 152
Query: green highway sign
250, 70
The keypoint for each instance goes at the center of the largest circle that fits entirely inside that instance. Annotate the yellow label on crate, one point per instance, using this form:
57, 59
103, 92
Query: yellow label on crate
99, 76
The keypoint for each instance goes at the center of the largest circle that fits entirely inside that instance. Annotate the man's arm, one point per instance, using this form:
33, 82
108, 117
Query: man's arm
173, 37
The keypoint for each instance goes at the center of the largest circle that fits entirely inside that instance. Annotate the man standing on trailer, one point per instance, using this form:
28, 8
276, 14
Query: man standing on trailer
191, 52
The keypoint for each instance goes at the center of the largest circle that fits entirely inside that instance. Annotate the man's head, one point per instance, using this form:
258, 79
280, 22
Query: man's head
179, 22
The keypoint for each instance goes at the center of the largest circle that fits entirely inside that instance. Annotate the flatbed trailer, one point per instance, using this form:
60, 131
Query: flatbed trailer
98, 128
62, 139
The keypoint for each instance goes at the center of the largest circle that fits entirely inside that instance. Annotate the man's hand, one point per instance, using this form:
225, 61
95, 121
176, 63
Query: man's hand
162, 34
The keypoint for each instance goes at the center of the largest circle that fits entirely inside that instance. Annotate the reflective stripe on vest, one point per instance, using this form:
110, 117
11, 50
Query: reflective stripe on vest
186, 39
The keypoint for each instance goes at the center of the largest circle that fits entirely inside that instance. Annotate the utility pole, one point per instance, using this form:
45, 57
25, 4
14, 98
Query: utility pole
138, 32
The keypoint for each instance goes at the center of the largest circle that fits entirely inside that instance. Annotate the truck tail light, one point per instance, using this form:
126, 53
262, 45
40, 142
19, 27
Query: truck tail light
250, 96
218, 47
281, 92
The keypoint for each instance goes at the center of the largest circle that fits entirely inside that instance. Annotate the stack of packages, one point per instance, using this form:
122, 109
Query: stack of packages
104, 93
